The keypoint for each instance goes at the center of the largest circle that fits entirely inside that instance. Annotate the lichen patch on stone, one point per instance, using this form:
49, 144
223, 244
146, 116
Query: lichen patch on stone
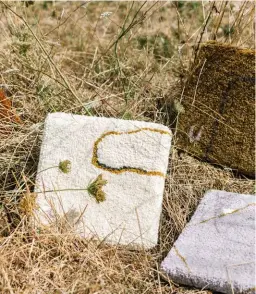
125, 168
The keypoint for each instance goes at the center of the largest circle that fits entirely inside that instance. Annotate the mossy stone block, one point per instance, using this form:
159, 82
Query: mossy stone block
218, 124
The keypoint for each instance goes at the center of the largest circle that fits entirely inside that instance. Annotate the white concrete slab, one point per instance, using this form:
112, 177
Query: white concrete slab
216, 250
132, 156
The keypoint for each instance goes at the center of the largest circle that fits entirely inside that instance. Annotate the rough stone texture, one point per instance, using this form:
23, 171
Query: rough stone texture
219, 102
216, 250
131, 155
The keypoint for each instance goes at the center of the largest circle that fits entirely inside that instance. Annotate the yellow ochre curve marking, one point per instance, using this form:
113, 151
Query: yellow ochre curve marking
140, 171
181, 257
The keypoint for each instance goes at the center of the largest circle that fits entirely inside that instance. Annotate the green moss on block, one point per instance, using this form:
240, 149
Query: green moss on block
218, 124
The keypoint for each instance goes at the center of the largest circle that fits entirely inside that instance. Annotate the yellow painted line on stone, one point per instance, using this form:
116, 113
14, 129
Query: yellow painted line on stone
96, 163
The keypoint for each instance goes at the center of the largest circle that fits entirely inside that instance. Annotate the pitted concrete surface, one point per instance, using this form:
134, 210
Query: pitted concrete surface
216, 250
132, 156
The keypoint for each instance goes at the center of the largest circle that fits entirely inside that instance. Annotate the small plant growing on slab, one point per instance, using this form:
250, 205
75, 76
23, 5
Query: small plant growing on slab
65, 166
95, 189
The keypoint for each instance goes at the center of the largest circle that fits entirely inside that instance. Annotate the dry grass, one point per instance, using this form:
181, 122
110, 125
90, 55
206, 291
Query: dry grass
66, 57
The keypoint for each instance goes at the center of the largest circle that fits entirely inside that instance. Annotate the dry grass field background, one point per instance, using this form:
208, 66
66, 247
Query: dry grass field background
116, 59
